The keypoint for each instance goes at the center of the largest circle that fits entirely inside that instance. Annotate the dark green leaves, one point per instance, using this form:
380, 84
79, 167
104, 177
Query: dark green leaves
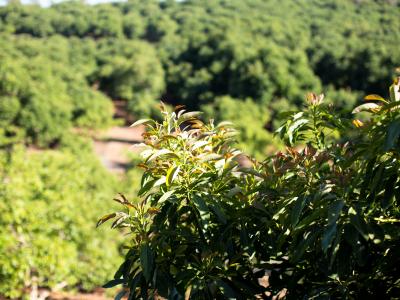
392, 136
330, 230
113, 283
297, 209
203, 210
146, 261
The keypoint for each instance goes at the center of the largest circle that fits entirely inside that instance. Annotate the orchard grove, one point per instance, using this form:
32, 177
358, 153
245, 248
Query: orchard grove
245, 61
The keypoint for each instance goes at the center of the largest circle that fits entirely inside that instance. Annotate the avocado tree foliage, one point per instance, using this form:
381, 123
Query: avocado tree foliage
321, 219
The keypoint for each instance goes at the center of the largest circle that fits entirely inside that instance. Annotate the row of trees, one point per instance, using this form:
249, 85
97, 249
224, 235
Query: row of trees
192, 53
244, 61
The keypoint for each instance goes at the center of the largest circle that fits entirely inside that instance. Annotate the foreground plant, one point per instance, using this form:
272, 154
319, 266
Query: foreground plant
321, 219
188, 233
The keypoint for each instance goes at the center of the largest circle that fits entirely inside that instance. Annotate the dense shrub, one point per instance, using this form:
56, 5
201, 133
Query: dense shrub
130, 70
49, 202
44, 95
321, 219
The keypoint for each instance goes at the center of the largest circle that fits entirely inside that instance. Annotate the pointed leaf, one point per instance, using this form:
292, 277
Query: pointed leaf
165, 196
366, 107
330, 231
202, 208
297, 210
171, 174
120, 295
208, 157
105, 218
392, 136
295, 126
141, 121
146, 187
113, 283
146, 261
189, 116
199, 144
160, 153
133, 285
374, 97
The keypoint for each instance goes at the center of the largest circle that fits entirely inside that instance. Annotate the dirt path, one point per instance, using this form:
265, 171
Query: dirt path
114, 145
97, 295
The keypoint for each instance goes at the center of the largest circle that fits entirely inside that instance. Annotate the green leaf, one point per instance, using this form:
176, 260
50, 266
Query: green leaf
295, 126
394, 91
366, 107
225, 124
133, 285
120, 295
171, 174
359, 223
374, 97
123, 268
328, 236
199, 144
306, 240
165, 196
209, 157
146, 261
160, 181
161, 152
146, 187
389, 191
189, 116
228, 292
297, 209
203, 210
219, 213
121, 218
334, 211
391, 105
113, 283
392, 135
251, 171
105, 218
142, 121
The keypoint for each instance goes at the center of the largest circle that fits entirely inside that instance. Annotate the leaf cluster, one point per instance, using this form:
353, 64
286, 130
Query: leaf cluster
319, 220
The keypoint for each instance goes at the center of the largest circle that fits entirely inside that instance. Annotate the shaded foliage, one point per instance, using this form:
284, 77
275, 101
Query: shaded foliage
321, 219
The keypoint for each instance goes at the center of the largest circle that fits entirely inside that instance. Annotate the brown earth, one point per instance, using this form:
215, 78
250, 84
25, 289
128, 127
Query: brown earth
113, 146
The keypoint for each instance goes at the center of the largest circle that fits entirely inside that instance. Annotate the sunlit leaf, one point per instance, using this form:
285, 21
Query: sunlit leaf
171, 174
189, 116
165, 196
142, 121
374, 97
105, 218
366, 107
162, 152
